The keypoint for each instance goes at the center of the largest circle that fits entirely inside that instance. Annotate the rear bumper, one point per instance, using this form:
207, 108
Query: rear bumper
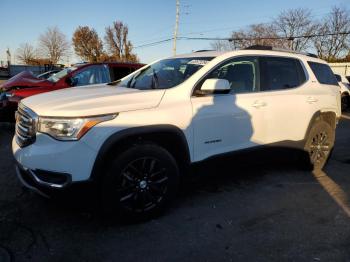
43, 182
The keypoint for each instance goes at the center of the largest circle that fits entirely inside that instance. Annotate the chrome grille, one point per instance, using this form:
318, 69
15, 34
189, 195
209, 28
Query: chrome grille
26, 121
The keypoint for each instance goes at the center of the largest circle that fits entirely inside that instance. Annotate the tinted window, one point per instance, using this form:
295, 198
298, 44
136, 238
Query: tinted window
323, 73
279, 73
338, 77
242, 73
95, 74
120, 72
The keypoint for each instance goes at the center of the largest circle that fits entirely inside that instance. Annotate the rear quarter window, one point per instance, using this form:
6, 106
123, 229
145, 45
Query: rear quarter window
323, 73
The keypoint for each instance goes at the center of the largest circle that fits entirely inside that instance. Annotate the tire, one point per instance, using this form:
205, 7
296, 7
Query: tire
319, 144
139, 183
345, 103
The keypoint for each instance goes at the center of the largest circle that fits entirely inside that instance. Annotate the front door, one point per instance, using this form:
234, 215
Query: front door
232, 121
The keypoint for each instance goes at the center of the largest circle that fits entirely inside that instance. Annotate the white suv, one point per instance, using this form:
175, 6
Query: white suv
135, 137
344, 91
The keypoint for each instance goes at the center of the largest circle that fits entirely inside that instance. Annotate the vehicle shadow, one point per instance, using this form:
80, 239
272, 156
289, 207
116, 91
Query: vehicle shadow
239, 170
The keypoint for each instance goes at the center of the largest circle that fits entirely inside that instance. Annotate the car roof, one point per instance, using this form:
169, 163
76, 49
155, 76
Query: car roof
274, 52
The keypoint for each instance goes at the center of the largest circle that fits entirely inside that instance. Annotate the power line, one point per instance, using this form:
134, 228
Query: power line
155, 43
215, 29
240, 38
262, 38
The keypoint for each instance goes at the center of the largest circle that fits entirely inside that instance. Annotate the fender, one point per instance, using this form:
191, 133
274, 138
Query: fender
155, 133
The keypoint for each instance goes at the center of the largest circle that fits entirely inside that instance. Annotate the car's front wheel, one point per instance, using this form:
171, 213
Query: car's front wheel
140, 182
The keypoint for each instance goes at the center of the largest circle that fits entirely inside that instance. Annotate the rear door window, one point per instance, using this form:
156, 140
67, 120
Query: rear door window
323, 73
279, 73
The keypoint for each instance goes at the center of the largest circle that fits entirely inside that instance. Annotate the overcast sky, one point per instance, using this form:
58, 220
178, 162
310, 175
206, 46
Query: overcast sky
148, 21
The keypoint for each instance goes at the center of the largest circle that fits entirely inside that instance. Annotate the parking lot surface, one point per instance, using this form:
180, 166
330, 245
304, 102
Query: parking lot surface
253, 211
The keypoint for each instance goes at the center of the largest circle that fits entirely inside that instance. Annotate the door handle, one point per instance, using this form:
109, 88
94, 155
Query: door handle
258, 104
311, 100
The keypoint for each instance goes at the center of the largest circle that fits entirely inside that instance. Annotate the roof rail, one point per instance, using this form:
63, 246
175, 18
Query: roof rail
312, 55
259, 47
198, 51
267, 47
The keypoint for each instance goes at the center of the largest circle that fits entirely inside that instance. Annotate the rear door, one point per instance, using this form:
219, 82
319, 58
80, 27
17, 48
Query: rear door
285, 90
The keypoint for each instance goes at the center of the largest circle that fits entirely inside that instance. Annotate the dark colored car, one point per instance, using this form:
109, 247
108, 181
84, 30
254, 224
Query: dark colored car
26, 84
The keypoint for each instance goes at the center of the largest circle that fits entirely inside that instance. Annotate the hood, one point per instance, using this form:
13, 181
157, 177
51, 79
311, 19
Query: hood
92, 100
23, 79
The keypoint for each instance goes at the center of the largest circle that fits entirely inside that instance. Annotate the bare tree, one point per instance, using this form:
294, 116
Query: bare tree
25, 54
53, 45
118, 44
331, 47
295, 22
256, 34
87, 44
222, 45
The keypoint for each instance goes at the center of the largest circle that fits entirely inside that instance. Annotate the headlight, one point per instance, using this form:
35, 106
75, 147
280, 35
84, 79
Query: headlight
9, 95
69, 128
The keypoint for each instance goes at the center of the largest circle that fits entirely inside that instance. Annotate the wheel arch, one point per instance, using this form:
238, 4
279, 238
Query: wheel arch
328, 116
345, 93
169, 137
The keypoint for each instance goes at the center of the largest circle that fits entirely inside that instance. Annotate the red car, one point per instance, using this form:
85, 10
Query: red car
26, 84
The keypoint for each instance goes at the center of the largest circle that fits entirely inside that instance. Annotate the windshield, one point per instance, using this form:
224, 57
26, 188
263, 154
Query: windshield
165, 74
56, 77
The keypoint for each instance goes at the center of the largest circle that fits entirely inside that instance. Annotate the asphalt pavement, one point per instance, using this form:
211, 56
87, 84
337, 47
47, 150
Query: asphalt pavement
246, 211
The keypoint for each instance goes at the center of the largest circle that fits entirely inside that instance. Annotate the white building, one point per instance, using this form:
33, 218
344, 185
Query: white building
341, 68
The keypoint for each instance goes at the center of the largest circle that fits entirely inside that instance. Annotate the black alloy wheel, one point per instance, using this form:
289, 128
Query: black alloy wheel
140, 182
143, 184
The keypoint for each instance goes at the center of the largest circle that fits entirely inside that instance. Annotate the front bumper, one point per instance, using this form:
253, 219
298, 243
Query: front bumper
74, 157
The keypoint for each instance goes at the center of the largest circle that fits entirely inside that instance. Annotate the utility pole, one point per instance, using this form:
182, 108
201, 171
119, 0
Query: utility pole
176, 24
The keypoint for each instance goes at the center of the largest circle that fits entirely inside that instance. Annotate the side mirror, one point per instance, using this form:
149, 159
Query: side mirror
215, 86
71, 81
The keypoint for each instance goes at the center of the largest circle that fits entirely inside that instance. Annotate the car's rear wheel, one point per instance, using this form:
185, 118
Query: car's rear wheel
319, 144
140, 182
